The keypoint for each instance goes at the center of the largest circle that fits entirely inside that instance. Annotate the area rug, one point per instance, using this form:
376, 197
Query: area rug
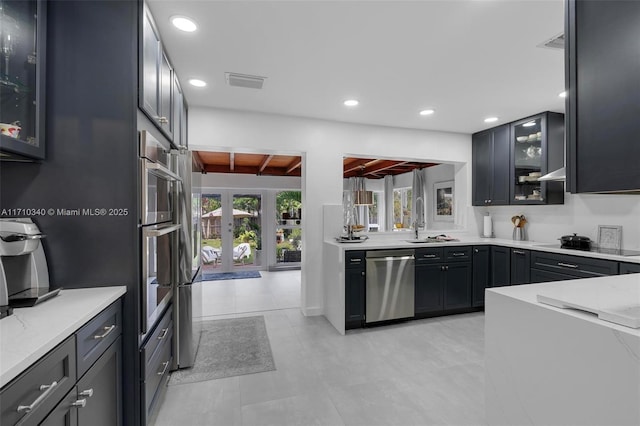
229, 347
216, 276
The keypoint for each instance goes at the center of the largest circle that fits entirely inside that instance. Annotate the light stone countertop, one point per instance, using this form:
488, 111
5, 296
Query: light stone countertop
30, 333
400, 241
601, 293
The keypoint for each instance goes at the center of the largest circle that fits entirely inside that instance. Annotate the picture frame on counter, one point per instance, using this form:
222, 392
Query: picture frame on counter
610, 237
443, 201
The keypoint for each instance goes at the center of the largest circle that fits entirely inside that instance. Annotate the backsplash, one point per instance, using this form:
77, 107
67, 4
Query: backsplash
581, 213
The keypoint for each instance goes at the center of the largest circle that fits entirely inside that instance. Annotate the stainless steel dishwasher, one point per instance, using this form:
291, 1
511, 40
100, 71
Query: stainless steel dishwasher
390, 285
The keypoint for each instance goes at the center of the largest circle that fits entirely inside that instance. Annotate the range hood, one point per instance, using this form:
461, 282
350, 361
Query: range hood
556, 175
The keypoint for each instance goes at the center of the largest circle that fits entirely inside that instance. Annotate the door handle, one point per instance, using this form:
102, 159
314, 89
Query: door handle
107, 331
518, 252
47, 390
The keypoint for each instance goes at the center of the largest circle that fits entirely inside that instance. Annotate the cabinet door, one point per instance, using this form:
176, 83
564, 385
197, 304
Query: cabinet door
429, 288
150, 67
101, 390
482, 162
501, 154
354, 282
500, 267
177, 119
481, 273
520, 267
165, 118
457, 286
65, 413
602, 40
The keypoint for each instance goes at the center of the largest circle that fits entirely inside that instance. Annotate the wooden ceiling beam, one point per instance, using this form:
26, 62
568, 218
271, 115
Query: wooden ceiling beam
265, 161
297, 162
250, 170
232, 158
383, 165
356, 164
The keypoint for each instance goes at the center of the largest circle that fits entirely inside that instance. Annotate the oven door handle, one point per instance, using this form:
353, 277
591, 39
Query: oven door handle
157, 232
161, 171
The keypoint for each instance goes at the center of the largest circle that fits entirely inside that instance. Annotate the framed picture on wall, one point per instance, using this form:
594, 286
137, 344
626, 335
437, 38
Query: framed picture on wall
443, 202
610, 237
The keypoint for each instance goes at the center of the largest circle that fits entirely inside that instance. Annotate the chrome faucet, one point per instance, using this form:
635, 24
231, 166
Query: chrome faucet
415, 229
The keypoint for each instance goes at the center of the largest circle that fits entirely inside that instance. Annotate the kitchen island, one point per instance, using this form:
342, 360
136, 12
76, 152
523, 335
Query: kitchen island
546, 365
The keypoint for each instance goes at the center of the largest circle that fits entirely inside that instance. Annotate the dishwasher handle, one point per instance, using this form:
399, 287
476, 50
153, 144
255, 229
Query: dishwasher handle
392, 258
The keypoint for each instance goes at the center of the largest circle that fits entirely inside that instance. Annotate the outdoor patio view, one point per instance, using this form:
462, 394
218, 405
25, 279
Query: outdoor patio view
246, 229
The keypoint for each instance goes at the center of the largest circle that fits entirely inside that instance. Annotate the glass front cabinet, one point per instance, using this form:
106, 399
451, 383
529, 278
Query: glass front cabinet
537, 148
22, 71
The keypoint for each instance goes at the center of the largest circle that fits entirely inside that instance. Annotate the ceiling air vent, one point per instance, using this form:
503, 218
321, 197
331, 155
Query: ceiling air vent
555, 42
244, 80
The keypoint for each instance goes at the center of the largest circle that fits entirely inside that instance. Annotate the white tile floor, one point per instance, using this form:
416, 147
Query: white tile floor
425, 372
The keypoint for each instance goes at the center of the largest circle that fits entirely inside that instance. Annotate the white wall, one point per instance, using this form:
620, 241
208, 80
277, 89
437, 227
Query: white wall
323, 144
580, 213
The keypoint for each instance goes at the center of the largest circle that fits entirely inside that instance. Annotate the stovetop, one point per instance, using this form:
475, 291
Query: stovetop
620, 252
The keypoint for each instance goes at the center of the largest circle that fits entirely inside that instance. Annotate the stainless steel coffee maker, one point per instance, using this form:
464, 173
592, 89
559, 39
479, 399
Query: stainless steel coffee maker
24, 276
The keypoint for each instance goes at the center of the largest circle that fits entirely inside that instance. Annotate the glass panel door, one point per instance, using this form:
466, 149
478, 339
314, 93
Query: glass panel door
289, 228
211, 225
247, 231
528, 157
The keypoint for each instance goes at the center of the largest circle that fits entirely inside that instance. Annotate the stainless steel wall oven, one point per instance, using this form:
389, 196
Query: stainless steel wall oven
158, 229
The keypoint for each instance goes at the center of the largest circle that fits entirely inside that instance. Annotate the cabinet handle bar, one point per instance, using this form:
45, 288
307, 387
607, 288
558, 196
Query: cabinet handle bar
107, 331
47, 390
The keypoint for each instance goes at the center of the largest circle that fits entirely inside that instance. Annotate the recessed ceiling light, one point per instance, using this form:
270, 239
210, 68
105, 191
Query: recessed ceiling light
197, 83
351, 102
184, 24
529, 124
563, 94
427, 111
491, 119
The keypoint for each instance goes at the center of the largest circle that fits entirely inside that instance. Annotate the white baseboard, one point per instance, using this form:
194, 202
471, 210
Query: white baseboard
313, 311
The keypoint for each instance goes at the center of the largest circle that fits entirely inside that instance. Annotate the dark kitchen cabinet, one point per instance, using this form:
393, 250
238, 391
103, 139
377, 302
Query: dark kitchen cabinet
65, 413
500, 266
179, 115
156, 77
22, 80
354, 285
429, 295
490, 167
520, 267
481, 274
443, 279
629, 268
537, 147
542, 276
602, 66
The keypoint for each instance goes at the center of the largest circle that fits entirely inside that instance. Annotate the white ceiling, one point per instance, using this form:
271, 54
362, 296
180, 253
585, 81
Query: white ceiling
466, 59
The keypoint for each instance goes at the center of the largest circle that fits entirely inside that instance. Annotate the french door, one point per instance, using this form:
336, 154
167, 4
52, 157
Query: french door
231, 231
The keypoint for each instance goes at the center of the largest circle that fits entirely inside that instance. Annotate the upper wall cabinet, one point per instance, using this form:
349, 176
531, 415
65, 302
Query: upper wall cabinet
602, 65
156, 78
538, 148
22, 79
508, 160
491, 167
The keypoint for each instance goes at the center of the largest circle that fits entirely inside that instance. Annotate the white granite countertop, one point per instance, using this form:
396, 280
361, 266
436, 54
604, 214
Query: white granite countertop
30, 333
400, 241
596, 292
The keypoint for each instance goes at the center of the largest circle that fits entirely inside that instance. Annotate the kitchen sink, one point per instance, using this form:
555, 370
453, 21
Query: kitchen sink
427, 240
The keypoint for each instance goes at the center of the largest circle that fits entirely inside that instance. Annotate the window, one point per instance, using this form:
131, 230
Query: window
289, 230
402, 198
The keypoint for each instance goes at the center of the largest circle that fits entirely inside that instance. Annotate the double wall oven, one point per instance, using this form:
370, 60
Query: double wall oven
159, 231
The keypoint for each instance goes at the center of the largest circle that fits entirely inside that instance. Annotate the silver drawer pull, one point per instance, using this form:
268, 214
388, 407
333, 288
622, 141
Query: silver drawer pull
164, 369
107, 330
429, 256
459, 254
355, 260
88, 393
81, 403
518, 252
163, 120
567, 265
164, 333
47, 390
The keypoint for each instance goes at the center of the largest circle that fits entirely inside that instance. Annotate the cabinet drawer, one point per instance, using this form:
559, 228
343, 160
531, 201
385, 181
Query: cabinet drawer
33, 394
97, 335
429, 255
455, 254
577, 266
159, 335
157, 370
629, 268
354, 259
